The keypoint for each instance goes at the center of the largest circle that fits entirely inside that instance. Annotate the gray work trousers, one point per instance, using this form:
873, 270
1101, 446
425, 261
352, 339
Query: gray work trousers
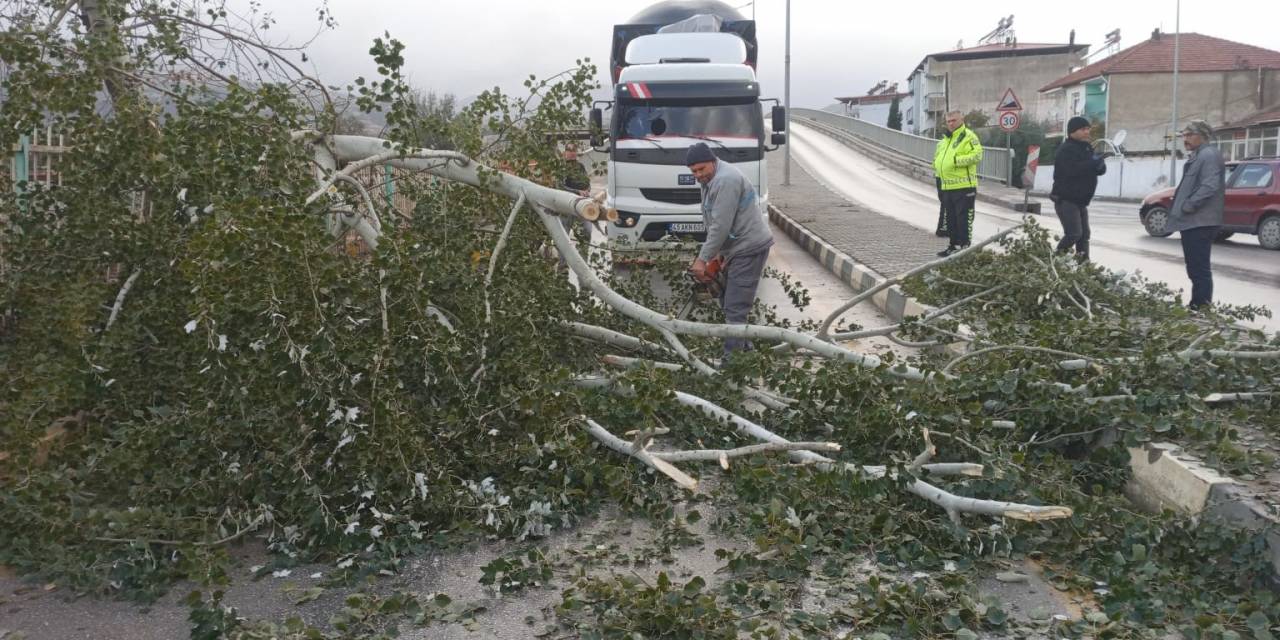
1075, 227
742, 278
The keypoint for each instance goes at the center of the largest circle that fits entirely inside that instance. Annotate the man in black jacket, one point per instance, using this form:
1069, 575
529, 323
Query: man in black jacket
1075, 178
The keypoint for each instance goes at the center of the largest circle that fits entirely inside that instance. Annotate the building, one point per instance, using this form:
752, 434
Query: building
875, 106
976, 79
1219, 81
1254, 136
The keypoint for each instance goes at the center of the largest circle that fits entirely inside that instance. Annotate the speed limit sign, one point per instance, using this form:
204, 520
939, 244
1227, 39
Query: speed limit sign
1009, 120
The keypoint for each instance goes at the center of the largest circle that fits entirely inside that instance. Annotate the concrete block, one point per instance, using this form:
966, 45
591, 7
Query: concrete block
1164, 477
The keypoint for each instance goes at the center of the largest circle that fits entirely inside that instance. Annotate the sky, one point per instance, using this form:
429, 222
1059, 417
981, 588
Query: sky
838, 47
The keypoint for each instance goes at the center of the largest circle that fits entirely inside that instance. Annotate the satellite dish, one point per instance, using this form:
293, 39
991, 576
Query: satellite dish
1119, 137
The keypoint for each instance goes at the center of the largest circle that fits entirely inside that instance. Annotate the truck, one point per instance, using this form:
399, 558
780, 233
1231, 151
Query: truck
683, 72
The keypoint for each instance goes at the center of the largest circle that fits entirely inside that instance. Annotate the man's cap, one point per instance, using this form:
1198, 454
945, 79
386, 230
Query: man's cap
698, 154
1077, 123
1199, 127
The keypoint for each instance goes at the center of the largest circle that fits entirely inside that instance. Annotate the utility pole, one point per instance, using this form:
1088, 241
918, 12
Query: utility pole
786, 98
1173, 127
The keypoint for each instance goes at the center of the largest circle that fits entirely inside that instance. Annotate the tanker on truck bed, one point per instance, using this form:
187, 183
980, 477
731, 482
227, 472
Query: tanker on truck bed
683, 73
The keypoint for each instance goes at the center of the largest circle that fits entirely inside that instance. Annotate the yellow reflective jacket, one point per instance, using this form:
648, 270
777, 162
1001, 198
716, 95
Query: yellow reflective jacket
956, 158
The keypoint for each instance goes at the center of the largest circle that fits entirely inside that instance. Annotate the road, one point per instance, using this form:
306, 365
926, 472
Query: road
1244, 272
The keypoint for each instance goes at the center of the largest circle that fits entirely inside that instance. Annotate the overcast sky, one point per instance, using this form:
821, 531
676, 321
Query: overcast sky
839, 47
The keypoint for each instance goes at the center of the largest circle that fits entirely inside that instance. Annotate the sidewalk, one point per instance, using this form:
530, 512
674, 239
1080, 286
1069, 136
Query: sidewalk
887, 245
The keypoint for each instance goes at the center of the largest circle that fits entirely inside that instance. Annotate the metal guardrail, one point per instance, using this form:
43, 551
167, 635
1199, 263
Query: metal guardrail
996, 163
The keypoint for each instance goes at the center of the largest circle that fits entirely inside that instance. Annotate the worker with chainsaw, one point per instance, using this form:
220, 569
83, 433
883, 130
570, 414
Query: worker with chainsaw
738, 236
955, 163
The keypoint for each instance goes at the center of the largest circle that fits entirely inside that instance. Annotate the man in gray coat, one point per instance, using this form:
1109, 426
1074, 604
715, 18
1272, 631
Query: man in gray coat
1197, 208
737, 234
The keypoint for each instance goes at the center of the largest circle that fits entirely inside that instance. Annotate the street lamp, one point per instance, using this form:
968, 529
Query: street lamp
1173, 128
786, 98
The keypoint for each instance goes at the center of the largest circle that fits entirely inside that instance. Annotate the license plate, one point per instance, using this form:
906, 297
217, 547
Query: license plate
685, 179
686, 227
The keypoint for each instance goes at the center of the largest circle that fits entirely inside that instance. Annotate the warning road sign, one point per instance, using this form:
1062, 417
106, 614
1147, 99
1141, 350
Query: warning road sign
1009, 120
1009, 102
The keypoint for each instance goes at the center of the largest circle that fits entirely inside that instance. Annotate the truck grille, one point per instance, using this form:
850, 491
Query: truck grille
673, 196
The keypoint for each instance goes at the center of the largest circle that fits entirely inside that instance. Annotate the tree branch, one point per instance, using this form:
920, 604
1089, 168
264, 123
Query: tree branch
622, 446
824, 330
950, 502
609, 336
124, 291
1009, 347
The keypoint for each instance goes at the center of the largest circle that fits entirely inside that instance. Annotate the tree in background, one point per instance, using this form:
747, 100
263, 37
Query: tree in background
895, 115
976, 119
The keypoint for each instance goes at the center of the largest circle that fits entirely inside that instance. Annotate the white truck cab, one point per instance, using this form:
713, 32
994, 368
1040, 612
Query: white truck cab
676, 90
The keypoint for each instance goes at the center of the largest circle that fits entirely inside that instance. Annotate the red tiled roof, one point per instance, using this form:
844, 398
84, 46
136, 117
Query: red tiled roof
1266, 116
1197, 52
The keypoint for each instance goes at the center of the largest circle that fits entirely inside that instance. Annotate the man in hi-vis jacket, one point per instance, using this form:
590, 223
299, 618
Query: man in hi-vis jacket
956, 165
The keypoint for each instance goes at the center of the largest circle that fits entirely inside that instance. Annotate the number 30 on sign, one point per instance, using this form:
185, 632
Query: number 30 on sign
1009, 120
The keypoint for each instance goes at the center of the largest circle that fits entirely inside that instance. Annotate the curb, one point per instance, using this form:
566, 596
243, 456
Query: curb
893, 301
1166, 477
909, 167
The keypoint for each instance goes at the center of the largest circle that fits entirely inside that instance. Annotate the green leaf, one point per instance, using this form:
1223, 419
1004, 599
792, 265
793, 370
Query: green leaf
1258, 621
1139, 553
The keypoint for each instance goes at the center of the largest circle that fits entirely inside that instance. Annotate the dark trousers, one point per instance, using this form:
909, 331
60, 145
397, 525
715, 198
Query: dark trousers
959, 204
1075, 227
942, 207
1196, 245
742, 275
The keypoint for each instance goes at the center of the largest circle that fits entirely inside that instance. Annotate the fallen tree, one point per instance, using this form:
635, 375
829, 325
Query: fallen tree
262, 352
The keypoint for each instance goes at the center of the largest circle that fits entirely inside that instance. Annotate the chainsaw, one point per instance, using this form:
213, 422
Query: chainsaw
703, 291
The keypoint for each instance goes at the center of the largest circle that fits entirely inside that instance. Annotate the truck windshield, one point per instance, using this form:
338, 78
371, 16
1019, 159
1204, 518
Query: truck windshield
656, 119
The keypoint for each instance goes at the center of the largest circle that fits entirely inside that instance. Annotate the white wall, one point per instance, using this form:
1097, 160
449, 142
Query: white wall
1125, 178
874, 113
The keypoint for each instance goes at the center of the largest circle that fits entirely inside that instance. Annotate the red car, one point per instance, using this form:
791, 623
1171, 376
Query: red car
1252, 203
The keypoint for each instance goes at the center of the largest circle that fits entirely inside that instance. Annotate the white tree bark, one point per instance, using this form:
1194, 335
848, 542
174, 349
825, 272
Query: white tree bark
950, 502
930, 317
615, 338
625, 448
124, 291
825, 329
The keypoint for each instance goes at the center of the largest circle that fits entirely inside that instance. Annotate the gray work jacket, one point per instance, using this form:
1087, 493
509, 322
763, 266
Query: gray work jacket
731, 211
1201, 194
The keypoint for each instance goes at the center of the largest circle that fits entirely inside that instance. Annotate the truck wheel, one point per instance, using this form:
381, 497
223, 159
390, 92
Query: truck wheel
1269, 232
1155, 221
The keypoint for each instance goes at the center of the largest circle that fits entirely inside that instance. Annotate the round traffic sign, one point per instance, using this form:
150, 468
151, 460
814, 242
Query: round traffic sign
1009, 120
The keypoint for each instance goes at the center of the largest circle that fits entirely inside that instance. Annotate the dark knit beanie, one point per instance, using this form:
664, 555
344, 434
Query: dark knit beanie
699, 153
1077, 123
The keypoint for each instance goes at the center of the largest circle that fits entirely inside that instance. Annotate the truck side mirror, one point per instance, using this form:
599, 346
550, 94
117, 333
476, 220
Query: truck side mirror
778, 139
779, 118
597, 127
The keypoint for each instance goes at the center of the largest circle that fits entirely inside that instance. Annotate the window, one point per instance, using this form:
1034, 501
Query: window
1252, 176
1261, 142
657, 118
